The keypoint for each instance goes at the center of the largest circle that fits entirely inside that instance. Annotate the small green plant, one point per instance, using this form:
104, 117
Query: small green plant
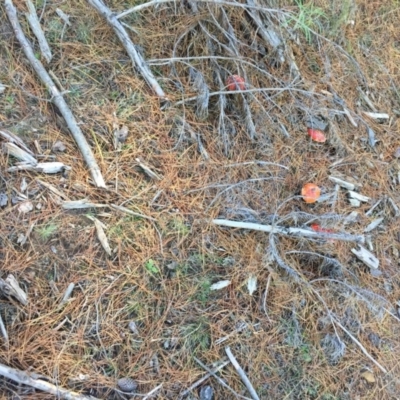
305, 353
151, 267
46, 231
197, 335
178, 226
307, 20
203, 291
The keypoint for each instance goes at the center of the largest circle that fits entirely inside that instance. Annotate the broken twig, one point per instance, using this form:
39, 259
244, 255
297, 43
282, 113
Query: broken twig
130, 48
24, 378
202, 379
220, 381
241, 373
290, 231
37, 30
57, 97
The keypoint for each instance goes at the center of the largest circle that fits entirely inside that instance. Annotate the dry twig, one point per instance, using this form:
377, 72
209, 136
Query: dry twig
136, 58
296, 232
220, 380
241, 373
37, 30
24, 378
57, 97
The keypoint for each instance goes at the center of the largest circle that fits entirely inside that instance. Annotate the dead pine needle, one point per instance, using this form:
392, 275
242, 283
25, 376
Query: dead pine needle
242, 374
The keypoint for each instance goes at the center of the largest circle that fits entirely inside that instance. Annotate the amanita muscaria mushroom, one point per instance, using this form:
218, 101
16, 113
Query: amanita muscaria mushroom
316, 135
310, 192
235, 82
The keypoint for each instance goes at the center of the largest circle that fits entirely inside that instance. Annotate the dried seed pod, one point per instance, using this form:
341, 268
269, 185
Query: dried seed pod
316, 135
127, 384
310, 192
235, 82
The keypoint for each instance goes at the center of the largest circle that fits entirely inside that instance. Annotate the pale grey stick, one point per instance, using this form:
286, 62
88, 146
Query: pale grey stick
155, 390
221, 381
37, 30
23, 377
220, 2
136, 58
4, 332
290, 231
202, 379
68, 293
57, 97
242, 374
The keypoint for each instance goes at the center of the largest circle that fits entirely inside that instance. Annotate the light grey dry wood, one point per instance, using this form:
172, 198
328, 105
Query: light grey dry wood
26, 379
290, 231
57, 97
130, 48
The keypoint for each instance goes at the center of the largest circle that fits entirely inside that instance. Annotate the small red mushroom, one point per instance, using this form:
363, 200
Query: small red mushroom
316, 135
235, 82
310, 192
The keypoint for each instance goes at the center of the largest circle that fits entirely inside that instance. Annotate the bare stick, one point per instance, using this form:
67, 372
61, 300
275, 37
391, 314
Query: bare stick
202, 379
23, 377
10, 287
221, 2
130, 212
221, 381
136, 58
242, 374
290, 231
68, 293
153, 391
265, 297
37, 30
57, 97
4, 331
335, 321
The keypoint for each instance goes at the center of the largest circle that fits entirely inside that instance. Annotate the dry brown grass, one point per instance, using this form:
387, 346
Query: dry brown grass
294, 351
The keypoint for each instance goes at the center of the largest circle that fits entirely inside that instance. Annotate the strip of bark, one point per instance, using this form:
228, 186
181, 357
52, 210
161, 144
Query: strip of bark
57, 97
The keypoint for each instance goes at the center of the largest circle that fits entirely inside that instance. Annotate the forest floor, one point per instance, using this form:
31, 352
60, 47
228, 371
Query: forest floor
304, 317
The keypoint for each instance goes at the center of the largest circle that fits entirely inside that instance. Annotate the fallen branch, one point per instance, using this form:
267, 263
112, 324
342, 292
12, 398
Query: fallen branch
151, 3
152, 392
241, 373
24, 378
136, 58
37, 30
220, 381
57, 97
202, 379
297, 232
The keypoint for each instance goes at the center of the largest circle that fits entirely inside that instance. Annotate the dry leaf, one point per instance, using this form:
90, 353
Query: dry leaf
252, 284
102, 236
59, 146
25, 207
220, 285
121, 134
368, 376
